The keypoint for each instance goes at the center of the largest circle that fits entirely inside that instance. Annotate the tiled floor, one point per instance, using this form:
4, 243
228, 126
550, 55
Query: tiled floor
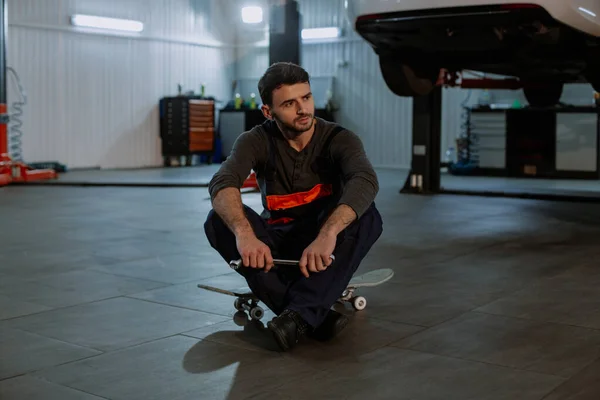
492, 299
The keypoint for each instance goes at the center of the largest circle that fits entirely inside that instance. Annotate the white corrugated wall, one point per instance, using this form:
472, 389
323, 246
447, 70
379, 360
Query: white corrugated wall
93, 99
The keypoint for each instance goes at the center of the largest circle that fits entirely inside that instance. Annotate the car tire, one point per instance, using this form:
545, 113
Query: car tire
408, 81
544, 96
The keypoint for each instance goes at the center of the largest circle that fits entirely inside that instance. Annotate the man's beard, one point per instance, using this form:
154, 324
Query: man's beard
292, 129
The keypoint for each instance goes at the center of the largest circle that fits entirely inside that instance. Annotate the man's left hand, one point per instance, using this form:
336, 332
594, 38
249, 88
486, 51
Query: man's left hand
317, 256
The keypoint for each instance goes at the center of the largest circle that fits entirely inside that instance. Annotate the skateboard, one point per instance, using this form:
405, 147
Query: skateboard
247, 301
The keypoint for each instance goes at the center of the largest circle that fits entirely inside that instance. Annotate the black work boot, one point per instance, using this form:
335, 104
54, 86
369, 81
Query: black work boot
331, 326
288, 328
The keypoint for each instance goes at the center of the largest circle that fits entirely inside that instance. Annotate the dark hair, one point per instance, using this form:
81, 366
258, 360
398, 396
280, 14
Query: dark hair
278, 74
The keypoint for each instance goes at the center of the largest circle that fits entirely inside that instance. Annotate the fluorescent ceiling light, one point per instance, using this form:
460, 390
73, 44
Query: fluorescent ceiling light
585, 10
252, 15
320, 33
90, 21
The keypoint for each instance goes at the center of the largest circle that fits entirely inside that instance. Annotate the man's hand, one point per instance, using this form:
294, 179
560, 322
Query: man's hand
317, 256
254, 253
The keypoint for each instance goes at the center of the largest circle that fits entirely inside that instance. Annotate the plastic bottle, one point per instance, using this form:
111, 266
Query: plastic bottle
450, 156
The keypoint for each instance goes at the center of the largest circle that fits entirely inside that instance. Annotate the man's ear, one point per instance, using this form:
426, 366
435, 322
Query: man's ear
266, 112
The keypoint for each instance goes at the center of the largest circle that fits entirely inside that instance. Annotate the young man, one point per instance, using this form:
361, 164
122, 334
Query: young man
318, 190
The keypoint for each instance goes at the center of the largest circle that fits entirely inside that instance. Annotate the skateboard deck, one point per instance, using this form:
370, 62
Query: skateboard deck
371, 278
241, 292
247, 301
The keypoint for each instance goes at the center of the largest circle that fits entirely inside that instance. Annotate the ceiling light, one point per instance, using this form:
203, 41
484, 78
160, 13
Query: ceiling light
90, 21
252, 15
320, 33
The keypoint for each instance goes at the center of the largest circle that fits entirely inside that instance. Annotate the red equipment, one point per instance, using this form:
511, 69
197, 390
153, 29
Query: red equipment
12, 171
16, 171
250, 182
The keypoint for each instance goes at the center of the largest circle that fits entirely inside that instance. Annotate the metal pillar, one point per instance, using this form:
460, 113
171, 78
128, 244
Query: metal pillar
424, 176
285, 33
3, 90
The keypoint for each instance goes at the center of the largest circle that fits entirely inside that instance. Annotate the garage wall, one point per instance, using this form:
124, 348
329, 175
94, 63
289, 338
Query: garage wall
93, 98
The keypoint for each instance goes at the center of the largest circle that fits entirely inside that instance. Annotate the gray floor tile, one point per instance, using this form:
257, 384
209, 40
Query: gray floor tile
172, 268
517, 343
113, 324
190, 296
501, 267
11, 308
583, 386
361, 336
397, 374
569, 298
44, 263
179, 368
75, 287
28, 388
423, 303
22, 352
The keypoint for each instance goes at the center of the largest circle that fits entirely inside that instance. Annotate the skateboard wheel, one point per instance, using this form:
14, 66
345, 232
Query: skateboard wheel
238, 304
359, 303
257, 313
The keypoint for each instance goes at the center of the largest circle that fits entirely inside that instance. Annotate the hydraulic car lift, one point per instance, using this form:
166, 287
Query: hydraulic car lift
12, 171
424, 176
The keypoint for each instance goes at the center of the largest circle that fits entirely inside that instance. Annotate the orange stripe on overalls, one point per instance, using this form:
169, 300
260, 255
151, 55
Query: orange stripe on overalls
286, 201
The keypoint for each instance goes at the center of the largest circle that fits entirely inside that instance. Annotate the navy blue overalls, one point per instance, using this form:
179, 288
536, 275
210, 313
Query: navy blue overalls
294, 223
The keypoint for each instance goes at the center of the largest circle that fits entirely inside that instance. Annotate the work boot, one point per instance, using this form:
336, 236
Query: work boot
287, 329
331, 326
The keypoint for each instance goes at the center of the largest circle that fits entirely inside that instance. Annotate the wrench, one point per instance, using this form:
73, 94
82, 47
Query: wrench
235, 264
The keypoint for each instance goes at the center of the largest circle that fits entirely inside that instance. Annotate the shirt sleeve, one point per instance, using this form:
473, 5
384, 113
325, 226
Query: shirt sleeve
247, 152
360, 180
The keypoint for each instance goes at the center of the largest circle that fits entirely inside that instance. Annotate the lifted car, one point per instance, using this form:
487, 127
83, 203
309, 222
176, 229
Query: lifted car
544, 43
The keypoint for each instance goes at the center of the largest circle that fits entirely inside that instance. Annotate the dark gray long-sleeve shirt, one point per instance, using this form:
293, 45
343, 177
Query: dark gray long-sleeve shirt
251, 151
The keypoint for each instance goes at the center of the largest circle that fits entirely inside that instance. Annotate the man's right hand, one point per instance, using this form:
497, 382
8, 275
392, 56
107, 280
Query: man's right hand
254, 252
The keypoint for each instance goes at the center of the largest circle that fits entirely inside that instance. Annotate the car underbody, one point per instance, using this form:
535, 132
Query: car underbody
522, 41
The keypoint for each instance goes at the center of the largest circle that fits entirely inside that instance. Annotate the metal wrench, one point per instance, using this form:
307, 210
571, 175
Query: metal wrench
235, 264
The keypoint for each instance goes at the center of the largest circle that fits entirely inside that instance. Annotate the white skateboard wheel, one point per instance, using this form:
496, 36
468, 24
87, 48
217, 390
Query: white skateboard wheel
238, 304
257, 313
359, 303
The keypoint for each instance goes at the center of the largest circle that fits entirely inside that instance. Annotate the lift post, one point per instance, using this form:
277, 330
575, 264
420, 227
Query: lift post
424, 176
12, 171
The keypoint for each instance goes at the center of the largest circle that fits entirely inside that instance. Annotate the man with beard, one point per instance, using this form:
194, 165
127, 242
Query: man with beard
318, 190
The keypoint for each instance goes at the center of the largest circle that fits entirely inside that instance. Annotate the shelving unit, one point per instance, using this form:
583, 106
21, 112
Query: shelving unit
187, 128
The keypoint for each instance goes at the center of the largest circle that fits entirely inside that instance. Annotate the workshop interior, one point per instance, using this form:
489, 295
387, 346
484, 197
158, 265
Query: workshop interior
481, 118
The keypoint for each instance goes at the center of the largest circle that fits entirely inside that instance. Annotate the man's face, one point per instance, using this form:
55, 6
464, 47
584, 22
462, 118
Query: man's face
293, 107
